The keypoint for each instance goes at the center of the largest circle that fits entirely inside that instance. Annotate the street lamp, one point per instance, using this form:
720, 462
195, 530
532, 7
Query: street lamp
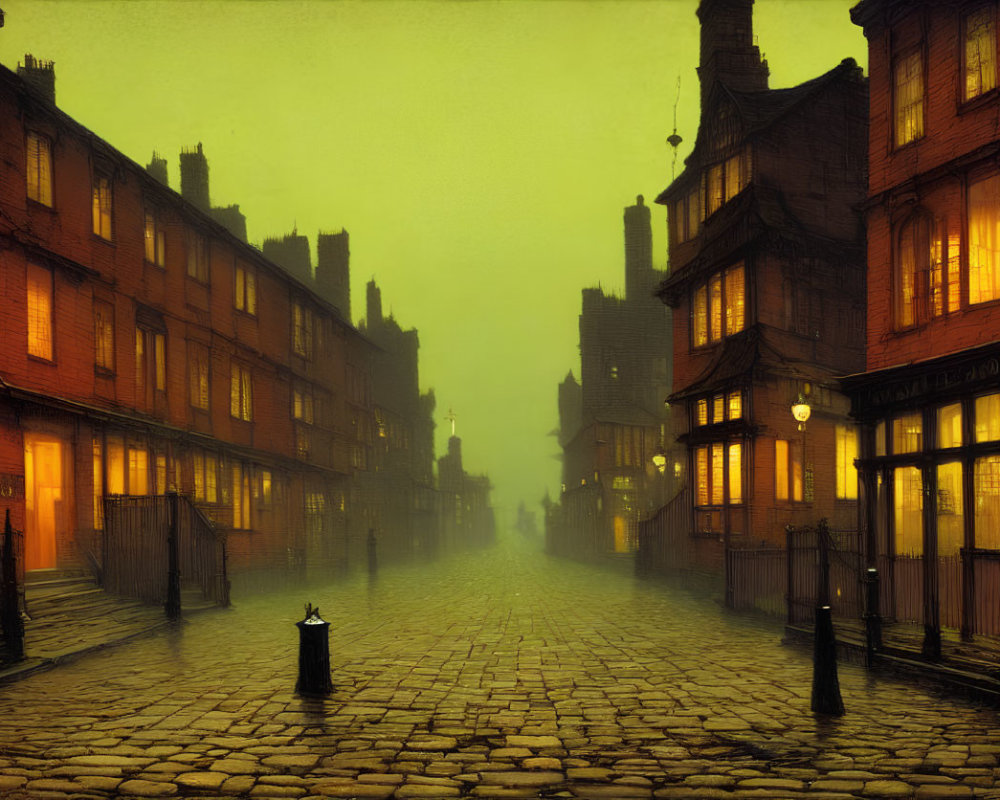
801, 410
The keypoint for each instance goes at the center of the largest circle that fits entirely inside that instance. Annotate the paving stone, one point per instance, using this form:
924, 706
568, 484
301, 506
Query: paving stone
141, 788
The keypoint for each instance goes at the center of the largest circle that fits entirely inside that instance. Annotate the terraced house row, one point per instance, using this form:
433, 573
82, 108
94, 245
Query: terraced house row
146, 348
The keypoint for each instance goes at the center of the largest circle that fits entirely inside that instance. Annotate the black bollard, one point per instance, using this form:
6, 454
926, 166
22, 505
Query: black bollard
372, 552
873, 622
826, 686
314, 654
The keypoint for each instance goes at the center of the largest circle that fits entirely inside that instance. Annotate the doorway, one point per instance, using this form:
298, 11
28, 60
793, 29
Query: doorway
46, 496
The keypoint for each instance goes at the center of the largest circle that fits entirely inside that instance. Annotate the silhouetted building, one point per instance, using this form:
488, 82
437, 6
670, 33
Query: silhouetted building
40, 76
613, 422
291, 252
767, 286
333, 274
929, 400
466, 513
194, 178
157, 168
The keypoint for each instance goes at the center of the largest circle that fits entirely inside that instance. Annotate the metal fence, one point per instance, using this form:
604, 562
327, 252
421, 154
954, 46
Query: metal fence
755, 579
139, 533
825, 567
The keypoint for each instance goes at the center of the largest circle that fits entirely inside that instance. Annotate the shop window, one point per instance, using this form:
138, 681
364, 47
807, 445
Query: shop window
39, 309
847, 452
880, 439
987, 491
907, 433
908, 97
950, 515
115, 464
984, 240
101, 207
980, 67
988, 418
39, 168
155, 240
949, 426
787, 471
908, 511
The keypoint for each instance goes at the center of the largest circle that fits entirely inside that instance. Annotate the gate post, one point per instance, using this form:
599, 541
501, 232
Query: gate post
173, 603
13, 627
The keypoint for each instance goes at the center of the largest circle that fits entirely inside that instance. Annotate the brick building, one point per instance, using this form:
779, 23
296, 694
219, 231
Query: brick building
613, 424
767, 286
138, 355
929, 400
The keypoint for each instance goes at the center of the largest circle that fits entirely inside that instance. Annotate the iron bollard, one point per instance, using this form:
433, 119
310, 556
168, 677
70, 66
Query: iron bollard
314, 654
372, 552
873, 622
826, 686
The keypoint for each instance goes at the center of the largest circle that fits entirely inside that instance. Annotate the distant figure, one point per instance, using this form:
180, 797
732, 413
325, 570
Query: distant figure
372, 553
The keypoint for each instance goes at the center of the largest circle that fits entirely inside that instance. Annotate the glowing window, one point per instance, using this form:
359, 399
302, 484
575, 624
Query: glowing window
987, 491
115, 455
949, 425
241, 497
984, 240
246, 289
702, 411
735, 473
101, 207
908, 98
950, 509
240, 393
988, 418
104, 337
907, 433
302, 402
701, 316
302, 331
39, 309
39, 168
198, 375
160, 362
787, 471
735, 315
718, 471
847, 452
98, 462
734, 177
701, 475
980, 52
715, 308
155, 241
735, 405
716, 188
908, 506
718, 408
138, 471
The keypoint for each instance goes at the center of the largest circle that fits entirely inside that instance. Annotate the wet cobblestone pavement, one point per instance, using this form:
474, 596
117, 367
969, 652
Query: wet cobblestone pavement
497, 674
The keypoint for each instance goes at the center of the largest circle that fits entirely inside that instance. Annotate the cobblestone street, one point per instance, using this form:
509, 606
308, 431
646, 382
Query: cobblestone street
496, 674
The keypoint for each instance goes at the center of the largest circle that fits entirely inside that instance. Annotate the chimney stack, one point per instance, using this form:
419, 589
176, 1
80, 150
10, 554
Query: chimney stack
728, 52
194, 178
40, 76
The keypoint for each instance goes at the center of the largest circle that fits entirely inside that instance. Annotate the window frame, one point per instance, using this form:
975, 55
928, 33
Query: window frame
45, 276
197, 256
154, 239
303, 330
104, 338
240, 392
43, 191
245, 289
920, 118
719, 311
102, 206
964, 96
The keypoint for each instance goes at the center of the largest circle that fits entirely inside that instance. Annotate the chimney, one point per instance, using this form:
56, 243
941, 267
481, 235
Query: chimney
40, 76
333, 270
157, 167
194, 178
638, 252
292, 254
374, 318
728, 52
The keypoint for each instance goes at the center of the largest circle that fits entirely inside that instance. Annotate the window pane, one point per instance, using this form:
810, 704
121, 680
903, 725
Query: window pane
988, 418
909, 98
908, 507
949, 426
780, 469
700, 316
950, 519
733, 185
880, 439
234, 391
906, 278
735, 405
734, 300
984, 240
138, 471
735, 473
718, 408
715, 299
701, 473
980, 53
907, 434
693, 211
847, 452
796, 455
39, 311
115, 448
715, 188
240, 294
39, 169
937, 265
987, 486
104, 356
702, 411
718, 472
160, 344
150, 238
98, 485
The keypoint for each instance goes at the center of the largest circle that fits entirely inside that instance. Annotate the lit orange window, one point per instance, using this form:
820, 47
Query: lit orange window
104, 337
246, 290
718, 408
138, 471
155, 240
735, 305
907, 433
980, 52
984, 240
198, 371
715, 308
847, 452
735, 405
241, 497
701, 473
39, 309
98, 462
700, 316
735, 473
702, 412
102, 207
788, 483
718, 470
908, 98
240, 396
715, 188
39, 169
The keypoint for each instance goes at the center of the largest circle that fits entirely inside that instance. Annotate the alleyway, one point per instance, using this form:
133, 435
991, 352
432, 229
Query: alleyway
496, 674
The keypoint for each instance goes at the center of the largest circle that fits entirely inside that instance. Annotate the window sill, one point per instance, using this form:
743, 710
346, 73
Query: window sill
40, 206
41, 360
103, 372
973, 104
160, 267
98, 238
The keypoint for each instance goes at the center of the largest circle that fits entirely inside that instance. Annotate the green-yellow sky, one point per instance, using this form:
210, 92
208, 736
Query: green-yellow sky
479, 153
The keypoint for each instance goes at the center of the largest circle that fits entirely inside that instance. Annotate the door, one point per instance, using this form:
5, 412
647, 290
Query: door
46, 498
